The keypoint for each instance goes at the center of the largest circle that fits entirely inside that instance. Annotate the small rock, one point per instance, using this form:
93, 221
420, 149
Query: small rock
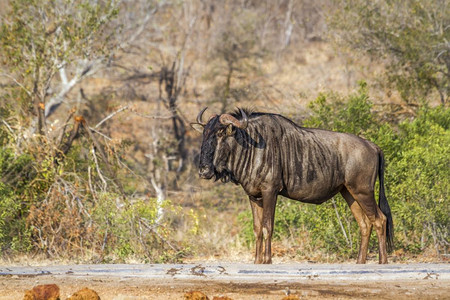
43, 292
85, 294
195, 295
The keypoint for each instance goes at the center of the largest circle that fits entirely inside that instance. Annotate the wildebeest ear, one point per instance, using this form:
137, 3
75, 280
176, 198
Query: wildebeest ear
230, 129
198, 127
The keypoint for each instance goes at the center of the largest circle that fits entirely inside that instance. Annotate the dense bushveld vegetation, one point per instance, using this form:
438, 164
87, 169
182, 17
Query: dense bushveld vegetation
109, 174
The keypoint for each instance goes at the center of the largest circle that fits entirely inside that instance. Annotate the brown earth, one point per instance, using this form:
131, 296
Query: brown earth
116, 288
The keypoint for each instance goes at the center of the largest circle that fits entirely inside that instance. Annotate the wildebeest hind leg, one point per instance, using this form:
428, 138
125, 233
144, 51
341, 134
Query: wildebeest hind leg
364, 223
257, 211
366, 199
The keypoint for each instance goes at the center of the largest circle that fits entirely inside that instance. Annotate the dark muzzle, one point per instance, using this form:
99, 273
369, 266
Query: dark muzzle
206, 172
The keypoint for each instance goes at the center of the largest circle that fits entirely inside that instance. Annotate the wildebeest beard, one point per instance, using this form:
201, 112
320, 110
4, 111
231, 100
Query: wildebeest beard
225, 176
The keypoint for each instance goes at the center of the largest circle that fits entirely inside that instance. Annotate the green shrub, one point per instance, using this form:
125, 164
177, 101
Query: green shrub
419, 178
409, 37
16, 173
68, 209
350, 114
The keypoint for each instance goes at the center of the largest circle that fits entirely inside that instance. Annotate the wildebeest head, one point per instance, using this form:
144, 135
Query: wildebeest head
215, 148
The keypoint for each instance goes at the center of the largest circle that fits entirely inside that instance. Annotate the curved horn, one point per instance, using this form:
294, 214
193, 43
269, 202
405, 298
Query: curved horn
244, 121
199, 116
227, 119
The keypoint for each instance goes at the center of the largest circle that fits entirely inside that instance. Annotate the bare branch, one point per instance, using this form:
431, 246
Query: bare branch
151, 117
340, 222
99, 133
85, 69
17, 82
112, 115
9, 128
105, 185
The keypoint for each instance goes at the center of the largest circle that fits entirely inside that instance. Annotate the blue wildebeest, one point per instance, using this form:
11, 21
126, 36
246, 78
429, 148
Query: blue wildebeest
270, 155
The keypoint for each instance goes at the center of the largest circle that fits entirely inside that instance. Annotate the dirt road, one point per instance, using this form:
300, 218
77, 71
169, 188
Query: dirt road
237, 281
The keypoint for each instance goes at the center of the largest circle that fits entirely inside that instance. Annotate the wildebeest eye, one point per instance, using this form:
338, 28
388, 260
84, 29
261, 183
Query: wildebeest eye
225, 131
221, 132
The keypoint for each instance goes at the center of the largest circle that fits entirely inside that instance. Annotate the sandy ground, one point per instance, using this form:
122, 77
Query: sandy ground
236, 281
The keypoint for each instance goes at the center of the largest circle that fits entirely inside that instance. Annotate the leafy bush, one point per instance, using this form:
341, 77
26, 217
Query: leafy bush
410, 36
350, 114
16, 170
68, 206
419, 178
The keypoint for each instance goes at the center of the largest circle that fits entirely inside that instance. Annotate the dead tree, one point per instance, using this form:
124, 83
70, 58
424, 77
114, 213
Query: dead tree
172, 89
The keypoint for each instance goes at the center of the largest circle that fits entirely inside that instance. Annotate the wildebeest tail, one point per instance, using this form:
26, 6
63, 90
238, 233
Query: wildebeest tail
384, 205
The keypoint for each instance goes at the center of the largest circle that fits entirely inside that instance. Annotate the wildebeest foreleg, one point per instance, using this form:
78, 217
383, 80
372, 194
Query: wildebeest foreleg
364, 223
269, 203
257, 211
